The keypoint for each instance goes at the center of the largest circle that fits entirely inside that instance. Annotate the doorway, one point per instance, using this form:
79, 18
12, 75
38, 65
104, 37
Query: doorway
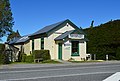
60, 51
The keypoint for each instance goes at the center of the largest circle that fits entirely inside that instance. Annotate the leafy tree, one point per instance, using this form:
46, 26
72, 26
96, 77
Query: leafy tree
13, 34
6, 19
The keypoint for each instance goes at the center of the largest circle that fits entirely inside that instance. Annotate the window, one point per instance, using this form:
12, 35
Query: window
42, 43
75, 48
32, 44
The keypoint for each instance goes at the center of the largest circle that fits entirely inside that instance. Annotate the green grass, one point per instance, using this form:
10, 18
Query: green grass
91, 61
43, 62
51, 62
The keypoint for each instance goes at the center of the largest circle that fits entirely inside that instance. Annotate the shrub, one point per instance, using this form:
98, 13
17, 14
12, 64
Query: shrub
41, 54
2, 55
24, 56
1, 58
29, 59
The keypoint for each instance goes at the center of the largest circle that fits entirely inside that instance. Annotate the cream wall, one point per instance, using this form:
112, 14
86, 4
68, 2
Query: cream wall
27, 48
66, 50
82, 50
37, 44
18, 46
65, 28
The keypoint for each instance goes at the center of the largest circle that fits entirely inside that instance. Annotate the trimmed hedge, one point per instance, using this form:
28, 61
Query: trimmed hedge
41, 54
37, 54
29, 59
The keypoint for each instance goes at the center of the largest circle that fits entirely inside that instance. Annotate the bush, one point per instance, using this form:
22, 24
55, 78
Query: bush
41, 54
2, 55
1, 58
24, 56
29, 59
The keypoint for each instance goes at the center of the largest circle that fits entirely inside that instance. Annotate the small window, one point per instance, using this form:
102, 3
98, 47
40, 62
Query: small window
75, 48
32, 44
42, 43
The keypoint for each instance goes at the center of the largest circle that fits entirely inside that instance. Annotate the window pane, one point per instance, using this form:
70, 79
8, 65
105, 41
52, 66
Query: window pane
42, 43
75, 48
32, 44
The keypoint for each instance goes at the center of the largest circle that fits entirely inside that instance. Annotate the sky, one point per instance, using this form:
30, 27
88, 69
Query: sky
32, 15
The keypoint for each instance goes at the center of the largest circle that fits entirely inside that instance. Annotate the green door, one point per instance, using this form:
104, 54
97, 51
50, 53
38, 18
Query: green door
60, 51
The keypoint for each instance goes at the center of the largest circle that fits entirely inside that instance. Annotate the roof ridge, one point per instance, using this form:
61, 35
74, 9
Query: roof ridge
48, 27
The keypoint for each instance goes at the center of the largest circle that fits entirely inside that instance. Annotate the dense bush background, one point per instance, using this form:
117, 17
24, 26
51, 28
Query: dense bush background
104, 39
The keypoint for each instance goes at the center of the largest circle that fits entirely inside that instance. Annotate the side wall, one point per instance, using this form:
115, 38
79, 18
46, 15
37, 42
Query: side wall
27, 48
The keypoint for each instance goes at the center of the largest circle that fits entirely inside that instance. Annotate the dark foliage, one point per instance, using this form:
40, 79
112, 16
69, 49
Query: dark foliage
4, 58
13, 34
6, 20
104, 39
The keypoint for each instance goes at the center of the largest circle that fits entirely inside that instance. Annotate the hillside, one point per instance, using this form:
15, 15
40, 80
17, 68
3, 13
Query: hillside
104, 39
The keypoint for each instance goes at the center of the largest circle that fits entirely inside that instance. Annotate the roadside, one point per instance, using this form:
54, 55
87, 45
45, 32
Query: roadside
38, 65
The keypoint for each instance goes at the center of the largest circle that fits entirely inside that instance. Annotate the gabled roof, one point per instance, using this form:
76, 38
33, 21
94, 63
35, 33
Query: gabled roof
57, 25
66, 34
63, 35
47, 28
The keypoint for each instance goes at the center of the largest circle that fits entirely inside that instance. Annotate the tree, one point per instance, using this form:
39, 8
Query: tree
6, 19
92, 24
13, 34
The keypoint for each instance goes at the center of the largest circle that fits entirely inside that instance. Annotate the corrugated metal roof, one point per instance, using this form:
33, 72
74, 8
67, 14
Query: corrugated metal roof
23, 39
13, 40
19, 39
63, 35
48, 28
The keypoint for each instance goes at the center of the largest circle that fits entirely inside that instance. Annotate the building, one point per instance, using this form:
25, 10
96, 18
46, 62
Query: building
64, 40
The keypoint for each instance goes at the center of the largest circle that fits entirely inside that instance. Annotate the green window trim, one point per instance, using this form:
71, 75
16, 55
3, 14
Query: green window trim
75, 48
42, 43
32, 44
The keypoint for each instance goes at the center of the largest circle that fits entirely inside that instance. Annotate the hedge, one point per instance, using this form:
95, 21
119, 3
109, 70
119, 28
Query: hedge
29, 59
41, 54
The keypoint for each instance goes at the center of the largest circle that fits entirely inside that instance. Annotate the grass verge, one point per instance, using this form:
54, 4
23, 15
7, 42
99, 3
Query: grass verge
87, 61
42, 62
51, 62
